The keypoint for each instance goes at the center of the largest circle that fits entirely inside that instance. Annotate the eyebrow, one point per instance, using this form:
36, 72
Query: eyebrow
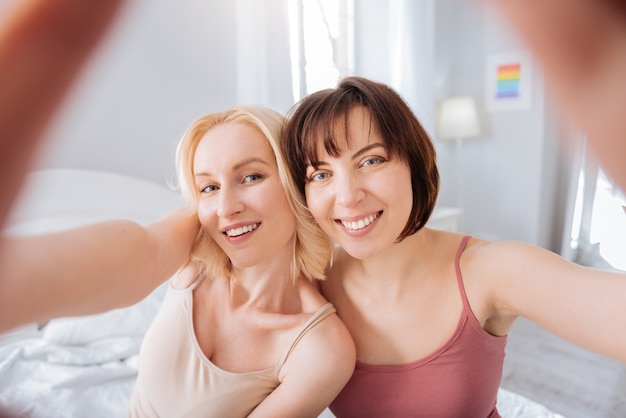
356, 155
237, 166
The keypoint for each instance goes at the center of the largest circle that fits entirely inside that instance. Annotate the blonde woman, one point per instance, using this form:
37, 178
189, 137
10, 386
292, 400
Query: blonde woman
243, 330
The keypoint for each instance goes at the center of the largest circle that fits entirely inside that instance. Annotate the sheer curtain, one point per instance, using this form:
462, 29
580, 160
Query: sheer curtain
322, 43
391, 41
263, 59
395, 44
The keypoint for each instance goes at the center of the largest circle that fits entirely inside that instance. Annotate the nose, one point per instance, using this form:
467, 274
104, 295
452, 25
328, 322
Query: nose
229, 202
348, 189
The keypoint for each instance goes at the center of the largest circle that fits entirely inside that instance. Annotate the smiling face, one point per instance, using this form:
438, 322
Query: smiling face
242, 203
362, 198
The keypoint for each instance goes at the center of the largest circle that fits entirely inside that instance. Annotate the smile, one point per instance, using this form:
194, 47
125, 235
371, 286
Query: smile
361, 223
235, 232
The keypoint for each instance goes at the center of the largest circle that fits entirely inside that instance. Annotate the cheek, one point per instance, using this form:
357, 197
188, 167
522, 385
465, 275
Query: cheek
206, 215
403, 192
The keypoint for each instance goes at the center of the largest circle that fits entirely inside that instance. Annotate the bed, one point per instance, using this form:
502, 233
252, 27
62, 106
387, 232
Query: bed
86, 366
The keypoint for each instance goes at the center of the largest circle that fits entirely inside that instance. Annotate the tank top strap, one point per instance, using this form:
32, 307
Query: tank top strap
316, 318
457, 267
196, 281
199, 276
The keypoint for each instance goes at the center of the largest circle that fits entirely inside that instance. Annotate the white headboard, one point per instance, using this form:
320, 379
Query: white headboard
54, 199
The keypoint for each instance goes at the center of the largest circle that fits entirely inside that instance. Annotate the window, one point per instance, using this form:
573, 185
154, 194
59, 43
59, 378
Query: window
599, 223
322, 34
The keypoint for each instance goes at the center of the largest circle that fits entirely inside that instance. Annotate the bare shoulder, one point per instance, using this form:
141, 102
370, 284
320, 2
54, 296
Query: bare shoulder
328, 344
503, 254
331, 337
329, 333
321, 364
510, 272
498, 278
493, 265
441, 247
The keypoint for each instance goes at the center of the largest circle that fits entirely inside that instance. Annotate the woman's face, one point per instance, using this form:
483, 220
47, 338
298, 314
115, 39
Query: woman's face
363, 198
242, 204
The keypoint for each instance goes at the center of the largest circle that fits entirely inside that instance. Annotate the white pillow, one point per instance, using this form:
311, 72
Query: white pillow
132, 321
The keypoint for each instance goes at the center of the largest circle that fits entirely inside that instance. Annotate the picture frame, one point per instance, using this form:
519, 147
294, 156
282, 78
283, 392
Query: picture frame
509, 81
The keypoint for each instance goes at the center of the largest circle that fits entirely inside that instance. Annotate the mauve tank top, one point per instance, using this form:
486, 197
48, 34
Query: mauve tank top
460, 379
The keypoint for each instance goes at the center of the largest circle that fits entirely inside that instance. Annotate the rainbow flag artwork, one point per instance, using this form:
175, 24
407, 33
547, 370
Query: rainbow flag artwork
508, 81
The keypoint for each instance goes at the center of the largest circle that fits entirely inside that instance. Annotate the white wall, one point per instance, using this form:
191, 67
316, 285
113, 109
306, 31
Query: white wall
395, 42
508, 175
167, 62
162, 65
510, 172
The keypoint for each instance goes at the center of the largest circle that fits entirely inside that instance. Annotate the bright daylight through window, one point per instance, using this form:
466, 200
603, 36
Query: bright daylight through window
321, 37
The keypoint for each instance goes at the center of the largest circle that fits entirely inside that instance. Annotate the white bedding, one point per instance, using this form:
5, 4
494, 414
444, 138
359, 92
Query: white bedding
86, 366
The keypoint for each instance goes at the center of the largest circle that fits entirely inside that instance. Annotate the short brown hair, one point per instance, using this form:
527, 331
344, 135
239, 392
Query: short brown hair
313, 119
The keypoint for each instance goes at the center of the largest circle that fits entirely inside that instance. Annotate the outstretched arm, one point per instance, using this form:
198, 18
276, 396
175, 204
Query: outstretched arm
43, 45
582, 47
90, 269
582, 305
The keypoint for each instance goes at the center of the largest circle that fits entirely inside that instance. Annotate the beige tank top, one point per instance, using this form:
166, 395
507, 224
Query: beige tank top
176, 379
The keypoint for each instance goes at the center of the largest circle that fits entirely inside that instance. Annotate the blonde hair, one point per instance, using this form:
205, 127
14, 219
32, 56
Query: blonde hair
312, 248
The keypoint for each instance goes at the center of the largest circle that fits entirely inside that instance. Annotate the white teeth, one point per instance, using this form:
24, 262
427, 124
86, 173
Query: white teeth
360, 224
240, 231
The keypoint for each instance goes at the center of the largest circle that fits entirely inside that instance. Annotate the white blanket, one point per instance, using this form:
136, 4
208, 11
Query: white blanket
75, 367
86, 366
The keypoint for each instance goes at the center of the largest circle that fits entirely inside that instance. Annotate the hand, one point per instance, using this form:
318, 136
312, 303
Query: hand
582, 47
43, 45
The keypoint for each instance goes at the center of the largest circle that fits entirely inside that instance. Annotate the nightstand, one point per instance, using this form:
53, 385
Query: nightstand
444, 218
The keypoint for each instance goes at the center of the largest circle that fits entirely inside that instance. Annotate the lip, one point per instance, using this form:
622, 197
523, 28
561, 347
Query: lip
359, 225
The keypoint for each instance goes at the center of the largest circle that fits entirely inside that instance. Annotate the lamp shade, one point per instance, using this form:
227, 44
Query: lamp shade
457, 118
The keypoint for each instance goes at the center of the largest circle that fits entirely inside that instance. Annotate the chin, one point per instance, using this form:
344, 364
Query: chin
361, 252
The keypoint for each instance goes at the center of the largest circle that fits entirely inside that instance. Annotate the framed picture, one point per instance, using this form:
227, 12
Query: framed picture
509, 81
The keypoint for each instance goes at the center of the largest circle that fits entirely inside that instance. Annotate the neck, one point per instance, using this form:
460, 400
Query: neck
264, 288
395, 265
